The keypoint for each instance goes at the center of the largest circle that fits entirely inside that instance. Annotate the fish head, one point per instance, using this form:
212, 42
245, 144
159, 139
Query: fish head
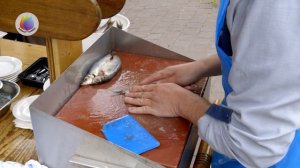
99, 79
87, 80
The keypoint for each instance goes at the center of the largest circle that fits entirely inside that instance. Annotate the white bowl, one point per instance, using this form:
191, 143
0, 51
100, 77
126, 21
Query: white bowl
8, 92
87, 42
117, 18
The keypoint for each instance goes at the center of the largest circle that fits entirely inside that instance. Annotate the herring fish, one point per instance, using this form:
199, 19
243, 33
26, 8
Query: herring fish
103, 70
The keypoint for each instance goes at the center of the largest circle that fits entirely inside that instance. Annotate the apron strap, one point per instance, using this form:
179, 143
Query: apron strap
224, 40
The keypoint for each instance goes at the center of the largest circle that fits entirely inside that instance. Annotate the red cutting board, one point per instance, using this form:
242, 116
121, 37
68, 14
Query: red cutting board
92, 106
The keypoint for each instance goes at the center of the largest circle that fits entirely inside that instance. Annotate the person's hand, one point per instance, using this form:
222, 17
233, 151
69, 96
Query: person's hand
196, 87
166, 100
182, 74
188, 73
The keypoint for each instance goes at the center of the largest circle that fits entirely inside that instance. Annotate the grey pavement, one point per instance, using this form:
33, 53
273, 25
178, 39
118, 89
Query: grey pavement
184, 26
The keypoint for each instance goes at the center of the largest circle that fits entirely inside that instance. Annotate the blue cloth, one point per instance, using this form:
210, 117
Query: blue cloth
221, 113
292, 158
127, 133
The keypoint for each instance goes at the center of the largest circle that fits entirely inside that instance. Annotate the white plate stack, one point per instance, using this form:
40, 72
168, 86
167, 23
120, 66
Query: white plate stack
22, 113
2, 34
10, 68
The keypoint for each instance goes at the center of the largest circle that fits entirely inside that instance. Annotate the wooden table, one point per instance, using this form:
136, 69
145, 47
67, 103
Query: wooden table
18, 144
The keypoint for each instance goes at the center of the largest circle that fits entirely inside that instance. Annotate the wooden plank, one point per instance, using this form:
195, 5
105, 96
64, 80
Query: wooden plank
28, 53
67, 19
61, 54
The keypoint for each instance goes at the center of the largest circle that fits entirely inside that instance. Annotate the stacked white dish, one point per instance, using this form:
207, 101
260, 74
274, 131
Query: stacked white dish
2, 34
10, 68
22, 113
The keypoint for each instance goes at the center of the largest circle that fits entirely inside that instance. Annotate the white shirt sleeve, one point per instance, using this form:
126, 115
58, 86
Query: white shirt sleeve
265, 78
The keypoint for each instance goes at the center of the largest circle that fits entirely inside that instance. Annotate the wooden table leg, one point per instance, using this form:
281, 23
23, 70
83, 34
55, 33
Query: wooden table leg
61, 54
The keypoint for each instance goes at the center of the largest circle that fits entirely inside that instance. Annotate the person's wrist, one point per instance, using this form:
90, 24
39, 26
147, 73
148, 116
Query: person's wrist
200, 109
195, 69
195, 111
209, 66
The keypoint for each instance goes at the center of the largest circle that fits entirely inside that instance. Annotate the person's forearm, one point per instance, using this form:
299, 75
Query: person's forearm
210, 66
197, 111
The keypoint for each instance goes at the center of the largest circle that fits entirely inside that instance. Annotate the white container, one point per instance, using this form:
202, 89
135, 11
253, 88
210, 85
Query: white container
87, 42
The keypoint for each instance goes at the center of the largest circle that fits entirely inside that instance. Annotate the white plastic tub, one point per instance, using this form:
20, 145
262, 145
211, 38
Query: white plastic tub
87, 42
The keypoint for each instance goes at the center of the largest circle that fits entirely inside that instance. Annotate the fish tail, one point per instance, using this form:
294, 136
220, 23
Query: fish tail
113, 53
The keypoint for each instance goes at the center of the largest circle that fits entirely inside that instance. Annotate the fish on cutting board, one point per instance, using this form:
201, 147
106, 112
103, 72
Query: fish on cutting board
103, 70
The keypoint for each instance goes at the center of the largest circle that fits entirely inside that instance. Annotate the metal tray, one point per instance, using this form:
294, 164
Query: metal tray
8, 93
38, 80
73, 146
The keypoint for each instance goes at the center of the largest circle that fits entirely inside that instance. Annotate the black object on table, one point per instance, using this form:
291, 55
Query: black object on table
36, 74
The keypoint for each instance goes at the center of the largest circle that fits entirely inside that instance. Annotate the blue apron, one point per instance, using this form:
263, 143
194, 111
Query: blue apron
223, 46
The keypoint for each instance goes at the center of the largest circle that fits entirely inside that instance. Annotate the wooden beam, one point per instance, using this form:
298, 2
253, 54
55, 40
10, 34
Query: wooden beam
110, 8
26, 52
59, 19
61, 54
